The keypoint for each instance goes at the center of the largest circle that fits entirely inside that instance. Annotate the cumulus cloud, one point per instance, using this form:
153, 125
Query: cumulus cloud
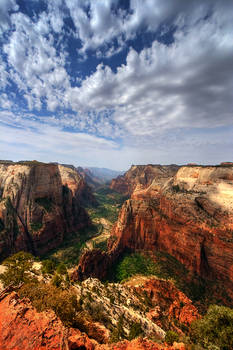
184, 84
149, 100
35, 65
6, 6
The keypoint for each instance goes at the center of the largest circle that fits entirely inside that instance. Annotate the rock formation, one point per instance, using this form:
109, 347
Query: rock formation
22, 327
141, 176
39, 204
189, 216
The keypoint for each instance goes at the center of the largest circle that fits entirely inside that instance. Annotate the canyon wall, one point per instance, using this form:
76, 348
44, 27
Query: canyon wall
141, 176
188, 215
39, 204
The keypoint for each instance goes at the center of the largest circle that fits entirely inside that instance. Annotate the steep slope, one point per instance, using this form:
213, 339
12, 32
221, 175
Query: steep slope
141, 176
189, 216
89, 177
39, 204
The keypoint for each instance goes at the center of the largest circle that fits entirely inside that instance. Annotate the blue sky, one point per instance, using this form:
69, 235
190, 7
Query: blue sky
112, 83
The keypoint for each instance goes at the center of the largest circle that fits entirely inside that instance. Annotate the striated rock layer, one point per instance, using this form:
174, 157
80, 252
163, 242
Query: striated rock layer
189, 215
39, 204
22, 327
141, 176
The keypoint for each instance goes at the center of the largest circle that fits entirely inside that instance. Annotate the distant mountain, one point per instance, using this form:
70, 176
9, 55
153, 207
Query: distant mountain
105, 174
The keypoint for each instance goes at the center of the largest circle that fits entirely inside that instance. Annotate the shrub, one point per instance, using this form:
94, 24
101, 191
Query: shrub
57, 280
171, 337
215, 329
19, 268
135, 331
44, 296
48, 266
61, 269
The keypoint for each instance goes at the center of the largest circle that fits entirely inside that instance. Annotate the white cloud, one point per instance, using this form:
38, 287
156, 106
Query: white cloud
34, 64
158, 92
184, 84
5, 7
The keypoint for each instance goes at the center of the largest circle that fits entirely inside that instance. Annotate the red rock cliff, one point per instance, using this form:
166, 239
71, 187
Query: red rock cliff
190, 217
39, 204
141, 176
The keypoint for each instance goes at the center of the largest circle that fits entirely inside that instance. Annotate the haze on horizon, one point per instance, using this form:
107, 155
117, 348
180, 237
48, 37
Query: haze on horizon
111, 83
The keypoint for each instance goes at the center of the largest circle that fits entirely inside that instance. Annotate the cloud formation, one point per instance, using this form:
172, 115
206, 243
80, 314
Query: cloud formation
129, 73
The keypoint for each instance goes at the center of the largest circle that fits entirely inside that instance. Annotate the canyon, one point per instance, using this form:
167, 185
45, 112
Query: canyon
188, 214
184, 212
39, 205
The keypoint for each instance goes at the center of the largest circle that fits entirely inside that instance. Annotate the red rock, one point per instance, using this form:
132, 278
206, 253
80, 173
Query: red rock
190, 217
48, 196
168, 301
141, 176
22, 327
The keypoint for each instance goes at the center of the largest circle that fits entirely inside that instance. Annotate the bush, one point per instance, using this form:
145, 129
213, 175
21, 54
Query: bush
118, 333
44, 296
171, 337
19, 268
135, 331
61, 269
48, 266
57, 280
215, 329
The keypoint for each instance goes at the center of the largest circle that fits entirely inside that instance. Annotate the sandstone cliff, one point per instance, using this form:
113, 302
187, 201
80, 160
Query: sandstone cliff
39, 204
141, 176
189, 216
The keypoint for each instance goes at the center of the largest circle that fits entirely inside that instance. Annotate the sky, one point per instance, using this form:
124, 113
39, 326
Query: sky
112, 83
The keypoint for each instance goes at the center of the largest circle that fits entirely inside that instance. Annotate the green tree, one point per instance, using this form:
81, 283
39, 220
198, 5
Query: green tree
215, 329
171, 337
19, 269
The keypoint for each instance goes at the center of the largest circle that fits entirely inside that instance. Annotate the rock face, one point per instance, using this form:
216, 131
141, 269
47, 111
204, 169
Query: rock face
39, 204
141, 176
22, 327
190, 217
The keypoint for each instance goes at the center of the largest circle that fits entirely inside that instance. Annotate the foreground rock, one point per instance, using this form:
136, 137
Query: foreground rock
39, 204
22, 327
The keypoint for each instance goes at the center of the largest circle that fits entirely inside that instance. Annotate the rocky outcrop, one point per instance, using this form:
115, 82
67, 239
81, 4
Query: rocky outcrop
39, 204
190, 217
141, 176
22, 327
